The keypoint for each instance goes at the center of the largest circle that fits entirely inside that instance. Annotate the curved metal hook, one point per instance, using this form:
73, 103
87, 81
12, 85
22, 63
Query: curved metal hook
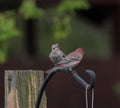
91, 73
43, 86
73, 74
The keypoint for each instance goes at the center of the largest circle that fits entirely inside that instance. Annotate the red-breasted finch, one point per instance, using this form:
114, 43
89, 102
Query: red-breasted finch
72, 59
56, 54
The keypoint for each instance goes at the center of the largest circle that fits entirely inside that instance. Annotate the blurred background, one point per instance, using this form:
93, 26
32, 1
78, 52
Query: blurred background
28, 28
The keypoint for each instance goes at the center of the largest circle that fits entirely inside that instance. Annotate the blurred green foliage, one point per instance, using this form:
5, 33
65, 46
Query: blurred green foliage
63, 15
61, 26
116, 88
94, 39
8, 30
57, 24
29, 10
7, 26
3, 52
70, 5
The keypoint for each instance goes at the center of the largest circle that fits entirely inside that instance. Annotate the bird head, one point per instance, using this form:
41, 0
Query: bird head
55, 46
80, 50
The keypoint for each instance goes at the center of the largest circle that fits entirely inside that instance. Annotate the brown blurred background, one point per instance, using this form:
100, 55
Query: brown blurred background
97, 29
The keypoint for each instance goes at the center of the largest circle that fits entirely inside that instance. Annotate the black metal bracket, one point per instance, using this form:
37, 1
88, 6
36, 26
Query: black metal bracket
73, 74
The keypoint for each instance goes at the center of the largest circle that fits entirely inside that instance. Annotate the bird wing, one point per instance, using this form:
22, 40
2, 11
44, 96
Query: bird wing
67, 60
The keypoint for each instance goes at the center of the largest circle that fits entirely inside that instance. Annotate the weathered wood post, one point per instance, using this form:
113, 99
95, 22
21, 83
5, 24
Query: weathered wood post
21, 88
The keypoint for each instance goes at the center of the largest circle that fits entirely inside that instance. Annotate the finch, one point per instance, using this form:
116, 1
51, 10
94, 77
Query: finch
69, 61
56, 54
72, 59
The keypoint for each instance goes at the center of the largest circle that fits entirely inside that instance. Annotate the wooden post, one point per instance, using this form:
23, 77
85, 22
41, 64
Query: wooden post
21, 88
